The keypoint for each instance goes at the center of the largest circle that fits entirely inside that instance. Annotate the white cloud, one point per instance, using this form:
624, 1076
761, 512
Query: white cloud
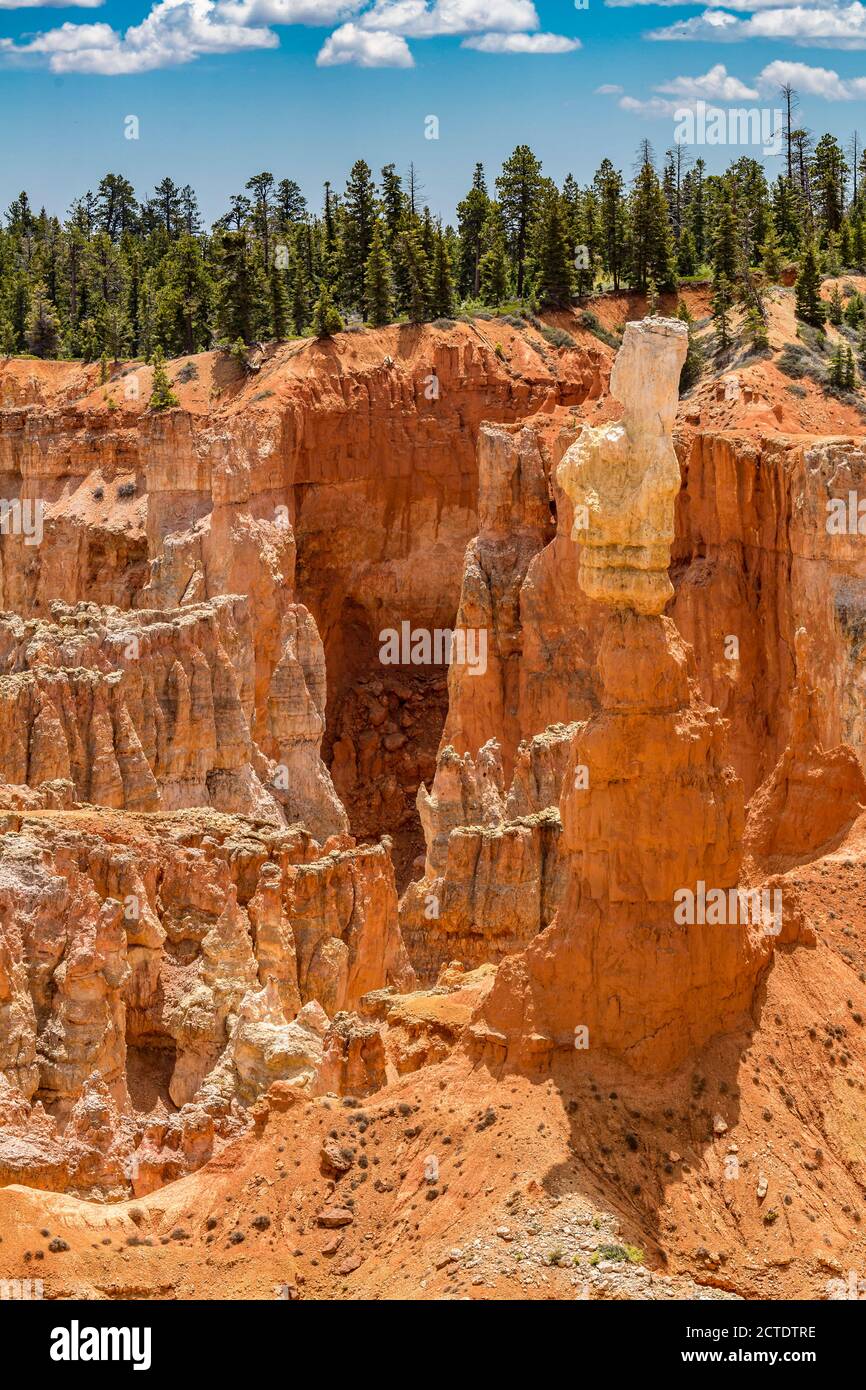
713, 26
175, 32
315, 13
715, 85
821, 26
608, 89
653, 106
69, 38
522, 43
364, 48
750, 5
817, 82
370, 33
423, 19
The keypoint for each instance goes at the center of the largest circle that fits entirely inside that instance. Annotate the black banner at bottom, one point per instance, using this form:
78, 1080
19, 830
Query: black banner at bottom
65, 1338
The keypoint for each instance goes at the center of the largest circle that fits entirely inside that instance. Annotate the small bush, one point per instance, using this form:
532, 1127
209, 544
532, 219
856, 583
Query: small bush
590, 321
814, 338
443, 323
557, 337
632, 1253
188, 372
792, 360
126, 490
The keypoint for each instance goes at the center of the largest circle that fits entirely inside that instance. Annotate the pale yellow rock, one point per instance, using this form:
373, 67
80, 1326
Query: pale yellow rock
623, 478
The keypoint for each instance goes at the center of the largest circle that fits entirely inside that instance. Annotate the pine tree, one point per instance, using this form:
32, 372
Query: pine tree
696, 209
809, 305
262, 188
279, 311
7, 337
771, 252
831, 259
114, 330
757, 331
291, 205
723, 299
494, 264
359, 220
42, 332
828, 176
861, 348
326, 318
471, 215
161, 396
377, 283
850, 373
608, 185
845, 244
855, 311
184, 300
441, 280
786, 213
555, 277
651, 243
687, 261
300, 294
693, 365
588, 233
393, 203
166, 204
835, 307
726, 254
415, 267
837, 367
239, 292
518, 187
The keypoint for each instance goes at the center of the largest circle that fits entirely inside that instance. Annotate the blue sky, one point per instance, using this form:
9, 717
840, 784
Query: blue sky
225, 88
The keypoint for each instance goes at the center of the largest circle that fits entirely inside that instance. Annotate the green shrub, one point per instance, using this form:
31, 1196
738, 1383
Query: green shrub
557, 337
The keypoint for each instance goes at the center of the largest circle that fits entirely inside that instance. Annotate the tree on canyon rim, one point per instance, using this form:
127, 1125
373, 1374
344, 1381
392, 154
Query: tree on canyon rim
555, 278
518, 187
239, 290
122, 276
377, 282
809, 304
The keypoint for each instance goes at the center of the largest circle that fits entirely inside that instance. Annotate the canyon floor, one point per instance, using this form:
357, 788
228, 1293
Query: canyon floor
327, 978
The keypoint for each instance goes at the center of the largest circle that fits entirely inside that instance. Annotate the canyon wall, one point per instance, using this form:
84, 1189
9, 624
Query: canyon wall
186, 961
